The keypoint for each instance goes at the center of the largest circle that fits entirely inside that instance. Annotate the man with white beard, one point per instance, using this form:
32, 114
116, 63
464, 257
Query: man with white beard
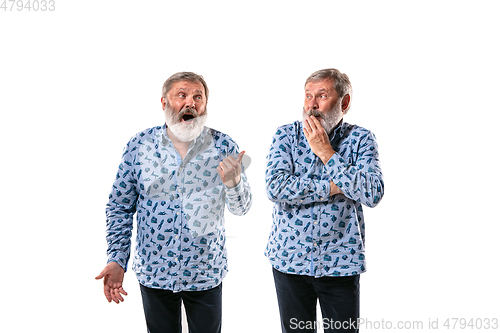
319, 174
178, 178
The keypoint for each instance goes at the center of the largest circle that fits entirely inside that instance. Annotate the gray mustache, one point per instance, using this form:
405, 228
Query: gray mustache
315, 113
186, 110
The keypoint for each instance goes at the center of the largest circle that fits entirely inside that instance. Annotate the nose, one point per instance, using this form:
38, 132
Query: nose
312, 104
190, 103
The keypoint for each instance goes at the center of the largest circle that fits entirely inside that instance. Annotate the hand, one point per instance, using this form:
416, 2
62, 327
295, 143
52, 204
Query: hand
318, 139
113, 279
230, 170
334, 189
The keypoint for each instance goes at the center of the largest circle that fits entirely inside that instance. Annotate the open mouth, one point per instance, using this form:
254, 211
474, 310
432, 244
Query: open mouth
187, 117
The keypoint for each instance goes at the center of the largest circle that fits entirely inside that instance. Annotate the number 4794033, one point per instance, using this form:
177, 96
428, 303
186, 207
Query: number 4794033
28, 5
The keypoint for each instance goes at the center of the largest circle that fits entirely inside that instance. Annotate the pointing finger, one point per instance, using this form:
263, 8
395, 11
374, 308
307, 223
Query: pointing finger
240, 157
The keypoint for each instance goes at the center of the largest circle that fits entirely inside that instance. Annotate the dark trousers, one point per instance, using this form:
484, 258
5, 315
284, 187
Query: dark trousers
298, 296
162, 309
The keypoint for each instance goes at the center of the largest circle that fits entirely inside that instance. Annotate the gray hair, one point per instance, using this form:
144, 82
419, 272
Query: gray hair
183, 76
341, 81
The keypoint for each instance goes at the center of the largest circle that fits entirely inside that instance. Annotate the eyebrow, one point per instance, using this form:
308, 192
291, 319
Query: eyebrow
196, 91
319, 91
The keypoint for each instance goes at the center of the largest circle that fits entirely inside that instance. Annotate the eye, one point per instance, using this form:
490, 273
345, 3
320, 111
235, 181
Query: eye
198, 98
182, 95
308, 96
324, 96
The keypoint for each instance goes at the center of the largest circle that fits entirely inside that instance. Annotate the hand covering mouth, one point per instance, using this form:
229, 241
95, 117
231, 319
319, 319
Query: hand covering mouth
315, 113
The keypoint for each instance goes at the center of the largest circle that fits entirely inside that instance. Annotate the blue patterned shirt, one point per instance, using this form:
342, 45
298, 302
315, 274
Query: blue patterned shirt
180, 210
314, 234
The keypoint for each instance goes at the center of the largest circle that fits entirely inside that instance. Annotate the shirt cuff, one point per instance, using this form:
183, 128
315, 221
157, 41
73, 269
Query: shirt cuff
324, 191
235, 191
121, 262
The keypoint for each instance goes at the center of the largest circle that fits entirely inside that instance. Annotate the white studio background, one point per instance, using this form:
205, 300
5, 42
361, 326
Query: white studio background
77, 82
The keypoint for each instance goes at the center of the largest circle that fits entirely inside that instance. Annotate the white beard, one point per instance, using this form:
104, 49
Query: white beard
185, 132
329, 120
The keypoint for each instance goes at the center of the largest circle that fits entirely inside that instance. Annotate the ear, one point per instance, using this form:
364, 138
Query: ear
346, 103
163, 103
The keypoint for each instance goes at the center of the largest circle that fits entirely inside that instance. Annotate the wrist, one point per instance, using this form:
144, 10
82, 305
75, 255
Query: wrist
325, 157
233, 183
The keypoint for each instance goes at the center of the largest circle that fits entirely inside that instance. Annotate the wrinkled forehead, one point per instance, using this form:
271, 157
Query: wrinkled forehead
193, 87
318, 86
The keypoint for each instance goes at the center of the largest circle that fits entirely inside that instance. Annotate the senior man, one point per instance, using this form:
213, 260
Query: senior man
319, 174
178, 178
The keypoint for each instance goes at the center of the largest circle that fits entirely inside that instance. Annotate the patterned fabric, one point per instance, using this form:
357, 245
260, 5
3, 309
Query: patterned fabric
315, 234
180, 210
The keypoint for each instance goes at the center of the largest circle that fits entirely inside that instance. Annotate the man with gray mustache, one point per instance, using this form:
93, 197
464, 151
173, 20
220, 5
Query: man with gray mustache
319, 174
178, 178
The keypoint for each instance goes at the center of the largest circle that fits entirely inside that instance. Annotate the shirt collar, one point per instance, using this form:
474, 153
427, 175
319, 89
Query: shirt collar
338, 131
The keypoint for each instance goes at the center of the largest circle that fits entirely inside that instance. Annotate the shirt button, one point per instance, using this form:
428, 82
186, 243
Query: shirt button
315, 244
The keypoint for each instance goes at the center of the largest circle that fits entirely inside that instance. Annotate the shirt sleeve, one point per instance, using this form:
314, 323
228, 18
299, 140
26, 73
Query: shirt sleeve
362, 179
239, 198
282, 184
120, 210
